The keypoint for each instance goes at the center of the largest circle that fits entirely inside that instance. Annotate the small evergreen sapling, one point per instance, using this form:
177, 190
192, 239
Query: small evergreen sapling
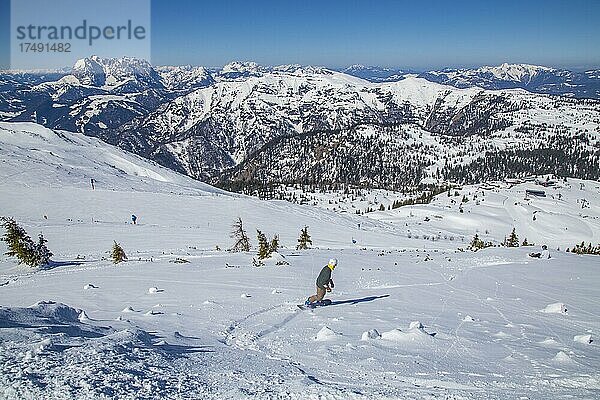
304, 240
476, 243
274, 245
266, 248
15, 238
526, 243
41, 251
263, 245
512, 240
118, 254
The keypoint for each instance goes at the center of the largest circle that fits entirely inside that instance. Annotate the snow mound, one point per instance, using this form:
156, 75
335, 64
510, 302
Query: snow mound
509, 359
415, 325
128, 309
86, 362
501, 335
549, 342
415, 334
468, 318
245, 296
555, 308
563, 358
275, 260
90, 286
153, 290
371, 334
83, 317
326, 334
48, 311
129, 335
584, 339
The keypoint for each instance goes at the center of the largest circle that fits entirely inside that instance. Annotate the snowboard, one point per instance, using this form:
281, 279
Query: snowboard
321, 303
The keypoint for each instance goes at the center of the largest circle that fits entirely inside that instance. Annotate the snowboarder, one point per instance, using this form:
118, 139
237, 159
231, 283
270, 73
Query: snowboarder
134, 219
92, 182
544, 255
324, 283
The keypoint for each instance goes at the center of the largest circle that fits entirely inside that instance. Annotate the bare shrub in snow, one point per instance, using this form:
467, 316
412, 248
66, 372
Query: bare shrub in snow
242, 242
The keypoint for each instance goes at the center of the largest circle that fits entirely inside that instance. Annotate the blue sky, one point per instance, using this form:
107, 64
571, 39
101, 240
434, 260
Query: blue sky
412, 34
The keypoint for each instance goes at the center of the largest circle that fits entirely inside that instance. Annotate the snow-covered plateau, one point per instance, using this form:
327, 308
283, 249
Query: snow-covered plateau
414, 314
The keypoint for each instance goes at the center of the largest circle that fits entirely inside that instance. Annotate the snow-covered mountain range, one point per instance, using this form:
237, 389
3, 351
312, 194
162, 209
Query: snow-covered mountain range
376, 74
246, 125
534, 78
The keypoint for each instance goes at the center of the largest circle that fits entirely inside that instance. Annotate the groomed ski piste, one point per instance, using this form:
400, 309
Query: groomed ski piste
413, 316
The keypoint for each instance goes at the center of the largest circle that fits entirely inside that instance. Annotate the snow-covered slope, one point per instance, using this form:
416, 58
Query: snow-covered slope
182, 319
53, 159
568, 214
62, 164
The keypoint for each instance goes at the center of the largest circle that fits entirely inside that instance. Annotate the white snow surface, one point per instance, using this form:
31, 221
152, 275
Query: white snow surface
454, 324
568, 214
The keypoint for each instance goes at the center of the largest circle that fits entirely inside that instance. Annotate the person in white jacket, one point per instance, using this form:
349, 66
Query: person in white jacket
544, 255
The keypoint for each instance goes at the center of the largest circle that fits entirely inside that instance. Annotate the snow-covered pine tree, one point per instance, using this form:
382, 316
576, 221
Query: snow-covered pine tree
117, 254
476, 243
15, 237
304, 240
512, 240
274, 245
266, 247
42, 253
21, 246
263, 245
242, 242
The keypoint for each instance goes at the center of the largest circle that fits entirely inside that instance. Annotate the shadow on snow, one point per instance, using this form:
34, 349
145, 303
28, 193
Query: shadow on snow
357, 301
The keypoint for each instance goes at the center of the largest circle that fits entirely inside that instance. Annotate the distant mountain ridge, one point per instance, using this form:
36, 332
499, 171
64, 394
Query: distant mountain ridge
534, 78
247, 126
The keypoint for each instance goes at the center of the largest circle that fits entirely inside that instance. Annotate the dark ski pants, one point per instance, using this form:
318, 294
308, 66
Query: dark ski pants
319, 296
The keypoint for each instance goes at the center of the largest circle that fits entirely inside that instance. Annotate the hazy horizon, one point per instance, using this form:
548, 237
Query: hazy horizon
395, 34
336, 67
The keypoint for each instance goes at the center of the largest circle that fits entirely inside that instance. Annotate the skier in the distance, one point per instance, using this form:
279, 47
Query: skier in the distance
324, 283
134, 219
